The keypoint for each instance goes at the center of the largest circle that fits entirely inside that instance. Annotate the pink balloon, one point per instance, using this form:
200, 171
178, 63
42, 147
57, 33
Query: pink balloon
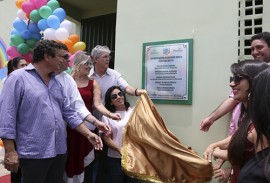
27, 7
28, 57
13, 52
39, 3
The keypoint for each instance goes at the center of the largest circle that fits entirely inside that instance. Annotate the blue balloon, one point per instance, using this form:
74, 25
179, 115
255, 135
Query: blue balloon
33, 27
25, 34
53, 22
19, 24
14, 32
60, 13
36, 36
42, 24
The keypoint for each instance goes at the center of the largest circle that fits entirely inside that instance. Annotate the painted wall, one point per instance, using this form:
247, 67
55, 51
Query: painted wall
211, 24
213, 27
8, 13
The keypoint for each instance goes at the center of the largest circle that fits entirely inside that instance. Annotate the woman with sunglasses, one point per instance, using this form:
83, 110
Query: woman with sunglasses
257, 169
239, 147
115, 101
80, 151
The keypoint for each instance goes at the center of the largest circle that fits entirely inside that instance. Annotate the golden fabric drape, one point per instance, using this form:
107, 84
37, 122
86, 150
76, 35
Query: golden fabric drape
151, 152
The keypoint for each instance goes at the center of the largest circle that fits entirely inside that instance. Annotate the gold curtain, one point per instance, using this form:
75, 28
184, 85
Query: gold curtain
151, 152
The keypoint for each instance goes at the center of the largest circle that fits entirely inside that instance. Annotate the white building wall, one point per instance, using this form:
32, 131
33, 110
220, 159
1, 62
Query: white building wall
8, 13
213, 27
212, 24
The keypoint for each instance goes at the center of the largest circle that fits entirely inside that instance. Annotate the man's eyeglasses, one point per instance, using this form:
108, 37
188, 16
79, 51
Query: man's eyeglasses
114, 96
236, 79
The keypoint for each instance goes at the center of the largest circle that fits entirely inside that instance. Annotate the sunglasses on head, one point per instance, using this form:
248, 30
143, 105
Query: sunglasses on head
114, 96
236, 78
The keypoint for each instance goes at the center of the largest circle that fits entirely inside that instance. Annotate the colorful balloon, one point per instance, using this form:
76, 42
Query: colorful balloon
45, 11
67, 25
68, 43
25, 34
28, 57
40, 3
21, 14
49, 34
16, 39
53, 22
31, 42
33, 27
13, 52
19, 24
42, 24
23, 48
78, 46
74, 38
61, 34
60, 13
27, 7
35, 16
19, 3
53, 5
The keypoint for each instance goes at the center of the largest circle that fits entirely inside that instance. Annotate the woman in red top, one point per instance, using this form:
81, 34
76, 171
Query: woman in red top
80, 151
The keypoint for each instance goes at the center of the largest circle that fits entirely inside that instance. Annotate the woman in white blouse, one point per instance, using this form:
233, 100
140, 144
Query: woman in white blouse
115, 101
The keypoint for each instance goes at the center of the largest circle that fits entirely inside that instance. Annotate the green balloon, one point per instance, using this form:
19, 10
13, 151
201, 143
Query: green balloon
23, 48
53, 4
31, 42
45, 11
16, 39
11, 44
34, 16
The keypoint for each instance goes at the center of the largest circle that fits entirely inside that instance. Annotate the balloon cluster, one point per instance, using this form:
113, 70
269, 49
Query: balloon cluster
40, 18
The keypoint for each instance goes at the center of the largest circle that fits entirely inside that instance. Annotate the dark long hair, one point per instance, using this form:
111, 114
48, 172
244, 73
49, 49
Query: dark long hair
9, 67
237, 147
13, 64
108, 104
260, 111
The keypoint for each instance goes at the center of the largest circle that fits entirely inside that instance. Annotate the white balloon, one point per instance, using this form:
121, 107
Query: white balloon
21, 14
67, 25
61, 34
49, 33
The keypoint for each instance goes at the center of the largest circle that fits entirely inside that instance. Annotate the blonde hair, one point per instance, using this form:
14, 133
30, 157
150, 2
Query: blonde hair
79, 59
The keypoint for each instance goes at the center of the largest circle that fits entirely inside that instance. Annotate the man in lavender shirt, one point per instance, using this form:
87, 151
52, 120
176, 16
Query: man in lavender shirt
34, 107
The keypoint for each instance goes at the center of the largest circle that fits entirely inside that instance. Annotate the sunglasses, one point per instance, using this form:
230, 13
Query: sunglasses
114, 96
236, 79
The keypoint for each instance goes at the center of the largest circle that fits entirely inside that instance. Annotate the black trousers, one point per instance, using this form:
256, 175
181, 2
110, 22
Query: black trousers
49, 170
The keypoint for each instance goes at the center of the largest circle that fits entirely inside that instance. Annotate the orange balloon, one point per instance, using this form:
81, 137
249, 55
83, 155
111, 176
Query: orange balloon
1, 143
68, 43
28, 16
19, 3
74, 38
